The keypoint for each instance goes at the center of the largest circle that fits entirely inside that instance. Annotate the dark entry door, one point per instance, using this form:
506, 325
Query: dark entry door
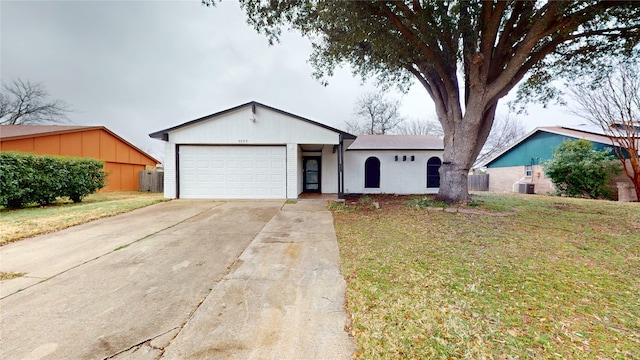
311, 168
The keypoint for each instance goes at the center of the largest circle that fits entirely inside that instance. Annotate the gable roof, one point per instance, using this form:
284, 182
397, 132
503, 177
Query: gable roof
397, 142
164, 134
558, 130
17, 132
578, 134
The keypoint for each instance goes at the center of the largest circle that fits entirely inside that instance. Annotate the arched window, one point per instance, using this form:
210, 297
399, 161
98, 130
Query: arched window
372, 173
433, 174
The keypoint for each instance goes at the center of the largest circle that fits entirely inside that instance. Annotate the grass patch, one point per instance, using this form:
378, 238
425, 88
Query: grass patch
10, 275
558, 279
121, 247
342, 206
27, 222
425, 202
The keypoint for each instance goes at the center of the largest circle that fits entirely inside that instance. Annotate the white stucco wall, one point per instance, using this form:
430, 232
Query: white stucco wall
329, 170
238, 128
396, 177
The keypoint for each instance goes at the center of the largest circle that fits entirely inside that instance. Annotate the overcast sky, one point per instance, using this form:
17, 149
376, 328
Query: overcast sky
141, 66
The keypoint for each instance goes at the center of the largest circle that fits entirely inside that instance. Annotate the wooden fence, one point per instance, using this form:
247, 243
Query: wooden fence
151, 181
479, 182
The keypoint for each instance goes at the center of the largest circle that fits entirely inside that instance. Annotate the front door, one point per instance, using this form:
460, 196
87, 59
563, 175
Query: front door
311, 168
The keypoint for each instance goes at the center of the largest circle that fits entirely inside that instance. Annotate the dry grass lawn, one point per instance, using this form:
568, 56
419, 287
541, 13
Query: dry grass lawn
23, 223
560, 279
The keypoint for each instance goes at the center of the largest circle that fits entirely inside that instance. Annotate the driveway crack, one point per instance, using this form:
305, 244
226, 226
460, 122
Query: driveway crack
147, 342
222, 278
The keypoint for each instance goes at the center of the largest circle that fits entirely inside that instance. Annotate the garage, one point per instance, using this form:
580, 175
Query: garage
232, 172
251, 151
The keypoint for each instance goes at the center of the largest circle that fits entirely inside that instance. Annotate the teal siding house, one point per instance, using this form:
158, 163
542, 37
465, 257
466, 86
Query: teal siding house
537, 148
519, 167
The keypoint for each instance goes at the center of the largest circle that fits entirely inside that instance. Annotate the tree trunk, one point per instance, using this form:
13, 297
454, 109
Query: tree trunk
463, 141
636, 177
453, 184
455, 169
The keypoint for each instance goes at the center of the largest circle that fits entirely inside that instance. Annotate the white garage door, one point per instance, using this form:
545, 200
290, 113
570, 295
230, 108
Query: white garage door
232, 172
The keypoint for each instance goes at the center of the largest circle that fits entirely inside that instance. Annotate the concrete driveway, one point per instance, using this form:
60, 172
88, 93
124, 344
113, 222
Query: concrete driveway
178, 280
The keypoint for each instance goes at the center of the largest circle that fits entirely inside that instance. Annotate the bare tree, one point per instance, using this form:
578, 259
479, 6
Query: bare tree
505, 131
421, 127
375, 115
614, 105
23, 102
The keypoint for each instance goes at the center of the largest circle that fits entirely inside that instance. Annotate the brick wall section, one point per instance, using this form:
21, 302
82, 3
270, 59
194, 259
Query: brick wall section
169, 164
503, 179
626, 192
623, 186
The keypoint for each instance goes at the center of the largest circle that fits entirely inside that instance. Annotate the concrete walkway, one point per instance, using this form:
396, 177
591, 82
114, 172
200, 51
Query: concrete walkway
183, 279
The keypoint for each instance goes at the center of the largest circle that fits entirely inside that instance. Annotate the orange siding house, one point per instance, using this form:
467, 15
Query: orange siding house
123, 161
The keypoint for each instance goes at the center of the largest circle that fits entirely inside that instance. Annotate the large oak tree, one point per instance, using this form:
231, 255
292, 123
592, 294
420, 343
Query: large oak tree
467, 54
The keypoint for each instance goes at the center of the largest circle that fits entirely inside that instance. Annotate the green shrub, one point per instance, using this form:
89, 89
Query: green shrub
16, 173
86, 176
46, 182
577, 170
27, 178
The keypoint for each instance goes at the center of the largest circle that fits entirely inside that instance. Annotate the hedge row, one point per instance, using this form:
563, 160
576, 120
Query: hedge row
27, 178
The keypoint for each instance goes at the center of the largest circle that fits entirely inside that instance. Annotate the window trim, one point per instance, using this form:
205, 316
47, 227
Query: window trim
528, 170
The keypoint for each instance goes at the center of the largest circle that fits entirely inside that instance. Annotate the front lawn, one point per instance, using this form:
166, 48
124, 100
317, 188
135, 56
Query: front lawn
558, 279
22, 223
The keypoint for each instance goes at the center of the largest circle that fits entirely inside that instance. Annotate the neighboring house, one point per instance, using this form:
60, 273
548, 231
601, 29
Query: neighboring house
123, 161
254, 151
522, 163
